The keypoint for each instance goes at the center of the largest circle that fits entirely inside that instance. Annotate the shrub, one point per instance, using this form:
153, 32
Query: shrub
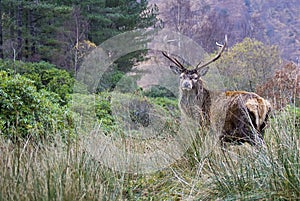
283, 88
248, 64
104, 112
134, 111
109, 80
26, 112
45, 76
159, 91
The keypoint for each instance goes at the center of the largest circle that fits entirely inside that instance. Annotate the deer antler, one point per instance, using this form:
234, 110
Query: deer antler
174, 60
216, 57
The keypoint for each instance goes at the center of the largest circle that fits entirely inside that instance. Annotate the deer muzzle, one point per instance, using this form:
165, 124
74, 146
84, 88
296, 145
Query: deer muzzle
186, 85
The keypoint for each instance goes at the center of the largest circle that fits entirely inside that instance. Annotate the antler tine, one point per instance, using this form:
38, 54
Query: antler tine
216, 57
174, 60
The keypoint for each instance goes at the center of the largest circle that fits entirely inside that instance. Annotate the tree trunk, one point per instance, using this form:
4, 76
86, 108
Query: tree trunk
1, 33
30, 42
19, 32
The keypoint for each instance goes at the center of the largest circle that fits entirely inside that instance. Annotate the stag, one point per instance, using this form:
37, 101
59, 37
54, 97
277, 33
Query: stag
236, 116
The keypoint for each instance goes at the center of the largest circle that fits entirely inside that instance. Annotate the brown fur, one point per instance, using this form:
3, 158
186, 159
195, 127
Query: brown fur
245, 119
236, 116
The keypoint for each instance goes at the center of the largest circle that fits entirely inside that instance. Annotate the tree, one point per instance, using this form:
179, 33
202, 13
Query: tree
1, 34
30, 29
53, 30
108, 18
205, 25
283, 88
19, 30
248, 64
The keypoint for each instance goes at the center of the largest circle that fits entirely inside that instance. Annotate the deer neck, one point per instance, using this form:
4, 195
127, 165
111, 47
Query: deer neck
196, 103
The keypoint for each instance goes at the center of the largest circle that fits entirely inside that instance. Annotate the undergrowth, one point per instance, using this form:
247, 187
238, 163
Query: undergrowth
63, 170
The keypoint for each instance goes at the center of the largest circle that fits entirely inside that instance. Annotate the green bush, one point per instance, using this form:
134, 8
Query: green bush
127, 84
138, 109
45, 76
26, 112
104, 112
159, 91
109, 80
169, 104
135, 112
248, 64
114, 79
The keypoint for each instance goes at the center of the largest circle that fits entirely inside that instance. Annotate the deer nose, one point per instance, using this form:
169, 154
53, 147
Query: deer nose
186, 85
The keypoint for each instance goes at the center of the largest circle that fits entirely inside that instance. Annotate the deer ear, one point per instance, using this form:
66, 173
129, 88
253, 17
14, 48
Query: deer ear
176, 70
203, 71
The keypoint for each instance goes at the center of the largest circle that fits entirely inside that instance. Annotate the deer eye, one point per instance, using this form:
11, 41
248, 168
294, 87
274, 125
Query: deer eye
195, 77
182, 75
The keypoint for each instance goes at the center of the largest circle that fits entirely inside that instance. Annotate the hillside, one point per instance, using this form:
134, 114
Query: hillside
272, 22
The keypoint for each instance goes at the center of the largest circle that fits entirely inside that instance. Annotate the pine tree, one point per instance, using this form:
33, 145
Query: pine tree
49, 30
29, 29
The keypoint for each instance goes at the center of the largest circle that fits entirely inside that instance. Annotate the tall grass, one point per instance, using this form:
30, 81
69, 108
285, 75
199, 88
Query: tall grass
64, 171
250, 173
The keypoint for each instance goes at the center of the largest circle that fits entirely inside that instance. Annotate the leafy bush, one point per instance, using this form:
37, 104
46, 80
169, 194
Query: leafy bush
127, 84
159, 91
248, 64
44, 75
104, 112
26, 112
169, 104
114, 79
109, 80
91, 109
283, 88
134, 110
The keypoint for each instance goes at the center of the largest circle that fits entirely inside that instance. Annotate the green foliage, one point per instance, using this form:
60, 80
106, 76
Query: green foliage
127, 84
109, 80
51, 30
91, 109
45, 76
104, 112
37, 25
114, 79
109, 18
159, 91
28, 113
171, 109
169, 105
248, 64
135, 110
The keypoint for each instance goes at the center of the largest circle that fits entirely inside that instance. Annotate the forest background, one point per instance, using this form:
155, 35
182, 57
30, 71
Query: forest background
43, 44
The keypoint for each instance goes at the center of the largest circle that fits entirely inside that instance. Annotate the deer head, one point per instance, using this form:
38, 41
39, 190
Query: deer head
190, 78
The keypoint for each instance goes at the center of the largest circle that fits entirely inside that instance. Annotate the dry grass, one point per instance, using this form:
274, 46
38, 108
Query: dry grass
65, 171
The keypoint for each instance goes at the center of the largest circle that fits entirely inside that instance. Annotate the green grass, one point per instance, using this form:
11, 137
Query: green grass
65, 171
